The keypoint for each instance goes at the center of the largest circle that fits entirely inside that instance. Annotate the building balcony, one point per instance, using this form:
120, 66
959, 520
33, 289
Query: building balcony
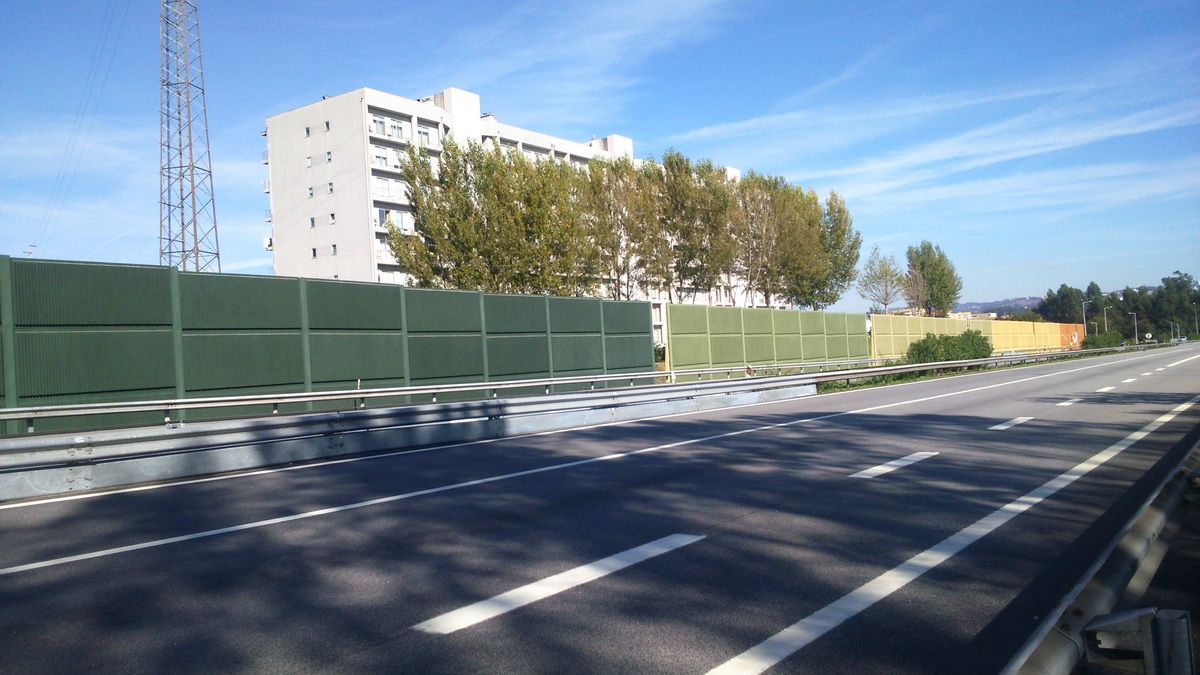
267, 186
267, 216
265, 154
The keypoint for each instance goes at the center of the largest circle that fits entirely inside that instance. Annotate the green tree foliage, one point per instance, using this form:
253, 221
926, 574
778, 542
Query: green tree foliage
622, 218
777, 228
1065, 306
695, 215
941, 284
935, 348
881, 280
803, 265
840, 245
1163, 311
1110, 339
492, 220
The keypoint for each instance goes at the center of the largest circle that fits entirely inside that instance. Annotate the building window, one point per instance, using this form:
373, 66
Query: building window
308, 162
312, 222
396, 130
330, 187
332, 219
423, 136
310, 193
307, 132
314, 253
326, 126
329, 157
333, 250
377, 124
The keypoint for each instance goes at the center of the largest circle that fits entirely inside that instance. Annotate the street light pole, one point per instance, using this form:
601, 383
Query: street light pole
1083, 305
1196, 317
1135, 330
1106, 319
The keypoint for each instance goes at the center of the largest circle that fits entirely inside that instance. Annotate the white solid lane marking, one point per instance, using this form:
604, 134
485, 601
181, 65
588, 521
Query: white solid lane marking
893, 465
1101, 390
540, 590
1070, 401
791, 639
1132, 379
1010, 424
1170, 365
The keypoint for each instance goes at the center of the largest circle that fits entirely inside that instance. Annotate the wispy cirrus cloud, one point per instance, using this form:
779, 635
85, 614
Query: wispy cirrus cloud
568, 64
1027, 145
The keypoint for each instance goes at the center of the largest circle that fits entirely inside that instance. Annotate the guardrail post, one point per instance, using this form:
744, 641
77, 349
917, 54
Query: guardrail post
8, 340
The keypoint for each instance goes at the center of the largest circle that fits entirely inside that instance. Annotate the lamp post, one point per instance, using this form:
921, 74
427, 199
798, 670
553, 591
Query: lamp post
1083, 305
1106, 319
1135, 331
1096, 330
1196, 317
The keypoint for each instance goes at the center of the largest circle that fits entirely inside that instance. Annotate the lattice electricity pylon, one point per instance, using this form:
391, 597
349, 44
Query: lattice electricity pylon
187, 211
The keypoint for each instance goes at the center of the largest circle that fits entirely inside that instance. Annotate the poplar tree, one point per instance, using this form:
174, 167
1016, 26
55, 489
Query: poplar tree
881, 280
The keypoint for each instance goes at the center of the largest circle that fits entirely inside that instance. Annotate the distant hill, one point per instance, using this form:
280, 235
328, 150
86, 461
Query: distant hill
1000, 307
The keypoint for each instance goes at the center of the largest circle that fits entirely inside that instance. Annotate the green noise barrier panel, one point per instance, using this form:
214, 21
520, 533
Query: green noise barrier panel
73, 332
700, 336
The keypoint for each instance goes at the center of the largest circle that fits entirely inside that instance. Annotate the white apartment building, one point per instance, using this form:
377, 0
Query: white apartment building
334, 174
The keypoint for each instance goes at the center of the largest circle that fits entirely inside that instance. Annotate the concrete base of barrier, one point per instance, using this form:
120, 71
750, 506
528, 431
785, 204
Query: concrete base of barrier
52, 465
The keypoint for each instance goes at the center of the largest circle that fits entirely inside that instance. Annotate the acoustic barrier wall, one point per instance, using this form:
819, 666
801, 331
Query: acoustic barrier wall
699, 336
86, 332
891, 335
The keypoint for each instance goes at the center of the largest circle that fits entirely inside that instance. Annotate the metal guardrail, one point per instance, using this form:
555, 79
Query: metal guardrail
842, 370
44, 464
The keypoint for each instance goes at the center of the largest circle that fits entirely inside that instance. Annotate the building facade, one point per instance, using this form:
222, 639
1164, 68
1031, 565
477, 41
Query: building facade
334, 174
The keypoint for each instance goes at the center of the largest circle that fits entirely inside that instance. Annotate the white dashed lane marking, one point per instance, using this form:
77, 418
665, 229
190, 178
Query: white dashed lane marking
893, 465
540, 590
1010, 424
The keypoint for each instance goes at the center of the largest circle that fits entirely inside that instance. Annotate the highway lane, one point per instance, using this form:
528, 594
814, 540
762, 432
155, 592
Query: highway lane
670, 545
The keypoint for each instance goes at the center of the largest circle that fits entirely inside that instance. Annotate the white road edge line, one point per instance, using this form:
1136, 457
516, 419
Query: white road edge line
791, 639
491, 479
540, 590
1101, 390
1172, 365
1010, 424
485, 441
1070, 401
892, 465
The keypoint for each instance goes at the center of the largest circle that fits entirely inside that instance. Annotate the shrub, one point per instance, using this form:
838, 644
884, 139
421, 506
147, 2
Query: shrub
1110, 339
933, 348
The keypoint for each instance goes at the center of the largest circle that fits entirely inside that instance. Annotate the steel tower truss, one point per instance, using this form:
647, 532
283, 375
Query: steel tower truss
187, 212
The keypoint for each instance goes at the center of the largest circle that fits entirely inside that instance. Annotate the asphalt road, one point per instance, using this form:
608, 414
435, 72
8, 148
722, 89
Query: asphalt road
922, 528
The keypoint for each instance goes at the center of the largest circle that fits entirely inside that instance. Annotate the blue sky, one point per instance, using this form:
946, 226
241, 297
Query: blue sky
1037, 143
